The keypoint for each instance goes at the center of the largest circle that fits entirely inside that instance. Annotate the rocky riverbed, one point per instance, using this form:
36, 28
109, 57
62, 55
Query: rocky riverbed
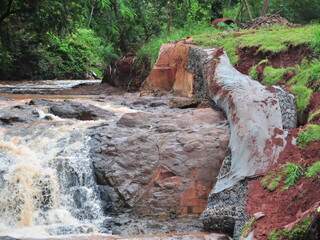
119, 164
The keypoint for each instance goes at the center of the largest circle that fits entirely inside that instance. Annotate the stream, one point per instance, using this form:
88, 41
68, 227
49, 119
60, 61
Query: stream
46, 177
52, 165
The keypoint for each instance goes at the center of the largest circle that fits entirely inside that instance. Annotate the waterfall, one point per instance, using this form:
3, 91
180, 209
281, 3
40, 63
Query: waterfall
47, 184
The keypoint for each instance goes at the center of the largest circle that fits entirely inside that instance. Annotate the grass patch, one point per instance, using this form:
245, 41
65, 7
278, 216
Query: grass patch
303, 96
274, 39
295, 234
313, 170
308, 75
314, 115
310, 134
293, 173
271, 181
274, 75
253, 73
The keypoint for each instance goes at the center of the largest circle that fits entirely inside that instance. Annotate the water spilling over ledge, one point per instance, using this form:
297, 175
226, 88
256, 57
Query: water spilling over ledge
47, 181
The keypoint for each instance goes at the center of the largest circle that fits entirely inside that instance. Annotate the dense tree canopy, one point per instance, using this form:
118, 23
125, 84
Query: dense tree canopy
67, 38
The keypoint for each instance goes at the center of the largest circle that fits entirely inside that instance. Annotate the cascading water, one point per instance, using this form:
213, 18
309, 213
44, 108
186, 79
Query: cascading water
47, 184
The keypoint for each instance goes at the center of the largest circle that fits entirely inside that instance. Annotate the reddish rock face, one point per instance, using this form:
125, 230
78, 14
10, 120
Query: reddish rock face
170, 71
164, 163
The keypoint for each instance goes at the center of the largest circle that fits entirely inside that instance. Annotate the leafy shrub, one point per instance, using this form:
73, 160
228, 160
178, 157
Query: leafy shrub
310, 134
77, 54
316, 41
313, 170
293, 173
232, 11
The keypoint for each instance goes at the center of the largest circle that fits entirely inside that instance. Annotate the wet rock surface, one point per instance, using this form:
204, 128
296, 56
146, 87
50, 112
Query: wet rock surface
159, 163
71, 109
171, 236
18, 114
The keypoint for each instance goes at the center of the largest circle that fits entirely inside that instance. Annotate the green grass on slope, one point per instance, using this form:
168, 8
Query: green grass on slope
310, 134
303, 96
274, 39
274, 75
313, 170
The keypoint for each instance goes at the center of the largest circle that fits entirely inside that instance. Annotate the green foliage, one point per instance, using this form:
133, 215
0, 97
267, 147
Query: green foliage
293, 172
80, 52
228, 27
310, 134
271, 181
253, 73
231, 11
274, 75
296, 11
296, 233
303, 95
316, 41
151, 49
247, 228
313, 170
274, 235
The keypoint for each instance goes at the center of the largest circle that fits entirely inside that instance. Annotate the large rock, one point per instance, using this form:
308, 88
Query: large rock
169, 72
161, 162
18, 114
257, 117
71, 109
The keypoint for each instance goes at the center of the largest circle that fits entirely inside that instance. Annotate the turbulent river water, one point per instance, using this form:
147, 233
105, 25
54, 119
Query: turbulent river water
47, 185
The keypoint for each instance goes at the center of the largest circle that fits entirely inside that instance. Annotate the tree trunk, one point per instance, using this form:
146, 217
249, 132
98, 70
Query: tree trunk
248, 9
265, 9
169, 24
91, 14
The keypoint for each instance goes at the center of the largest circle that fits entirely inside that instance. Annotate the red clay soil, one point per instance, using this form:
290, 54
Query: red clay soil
315, 102
315, 106
283, 207
250, 56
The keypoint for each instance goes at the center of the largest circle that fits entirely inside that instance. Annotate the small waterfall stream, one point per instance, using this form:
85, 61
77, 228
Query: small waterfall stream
47, 185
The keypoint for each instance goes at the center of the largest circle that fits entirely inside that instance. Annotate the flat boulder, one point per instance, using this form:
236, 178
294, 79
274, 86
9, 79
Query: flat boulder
73, 110
159, 163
